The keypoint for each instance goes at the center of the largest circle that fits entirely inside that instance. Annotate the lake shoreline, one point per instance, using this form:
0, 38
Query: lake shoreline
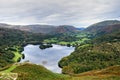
44, 54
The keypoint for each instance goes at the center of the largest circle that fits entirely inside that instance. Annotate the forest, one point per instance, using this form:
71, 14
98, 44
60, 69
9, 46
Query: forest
94, 52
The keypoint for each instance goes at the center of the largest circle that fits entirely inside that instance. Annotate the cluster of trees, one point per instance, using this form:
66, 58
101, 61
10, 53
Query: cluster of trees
5, 58
112, 37
44, 46
101, 52
12, 37
91, 57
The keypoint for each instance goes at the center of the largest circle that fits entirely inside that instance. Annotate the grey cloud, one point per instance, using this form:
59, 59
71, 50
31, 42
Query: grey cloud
80, 13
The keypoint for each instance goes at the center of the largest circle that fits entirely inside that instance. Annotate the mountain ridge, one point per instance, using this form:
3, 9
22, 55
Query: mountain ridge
104, 27
46, 29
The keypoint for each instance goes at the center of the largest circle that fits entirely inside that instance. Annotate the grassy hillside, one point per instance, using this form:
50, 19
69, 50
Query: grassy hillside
90, 57
37, 72
29, 71
109, 73
104, 26
111, 37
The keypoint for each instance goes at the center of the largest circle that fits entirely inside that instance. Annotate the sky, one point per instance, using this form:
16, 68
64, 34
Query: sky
79, 13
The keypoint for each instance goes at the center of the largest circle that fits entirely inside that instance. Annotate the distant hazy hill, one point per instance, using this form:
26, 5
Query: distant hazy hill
38, 28
80, 28
104, 27
65, 29
41, 28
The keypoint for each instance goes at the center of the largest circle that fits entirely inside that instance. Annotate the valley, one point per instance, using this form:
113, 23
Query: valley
96, 55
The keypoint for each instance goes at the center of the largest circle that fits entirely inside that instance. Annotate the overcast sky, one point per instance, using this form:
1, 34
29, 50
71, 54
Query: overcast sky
79, 13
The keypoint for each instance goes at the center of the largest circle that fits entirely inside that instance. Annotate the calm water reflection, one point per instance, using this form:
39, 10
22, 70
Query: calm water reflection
49, 57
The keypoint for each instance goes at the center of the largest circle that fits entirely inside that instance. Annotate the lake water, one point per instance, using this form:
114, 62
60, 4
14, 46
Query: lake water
49, 57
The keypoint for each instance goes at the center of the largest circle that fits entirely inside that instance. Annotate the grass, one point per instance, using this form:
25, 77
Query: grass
7, 74
37, 72
96, 78
17, 55
11, 68
110, 73
52, 40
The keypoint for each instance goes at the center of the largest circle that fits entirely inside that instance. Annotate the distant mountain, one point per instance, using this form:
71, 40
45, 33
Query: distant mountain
31, 28
104, 27
37, 28
80, 29
46, 29
65, 29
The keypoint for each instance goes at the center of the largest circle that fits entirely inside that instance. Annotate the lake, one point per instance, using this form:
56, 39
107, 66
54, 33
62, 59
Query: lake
48, 57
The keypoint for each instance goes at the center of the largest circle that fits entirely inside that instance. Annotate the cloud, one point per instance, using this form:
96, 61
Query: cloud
80, 13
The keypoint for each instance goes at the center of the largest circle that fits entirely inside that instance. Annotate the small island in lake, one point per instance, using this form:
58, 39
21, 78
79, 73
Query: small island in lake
44, 46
